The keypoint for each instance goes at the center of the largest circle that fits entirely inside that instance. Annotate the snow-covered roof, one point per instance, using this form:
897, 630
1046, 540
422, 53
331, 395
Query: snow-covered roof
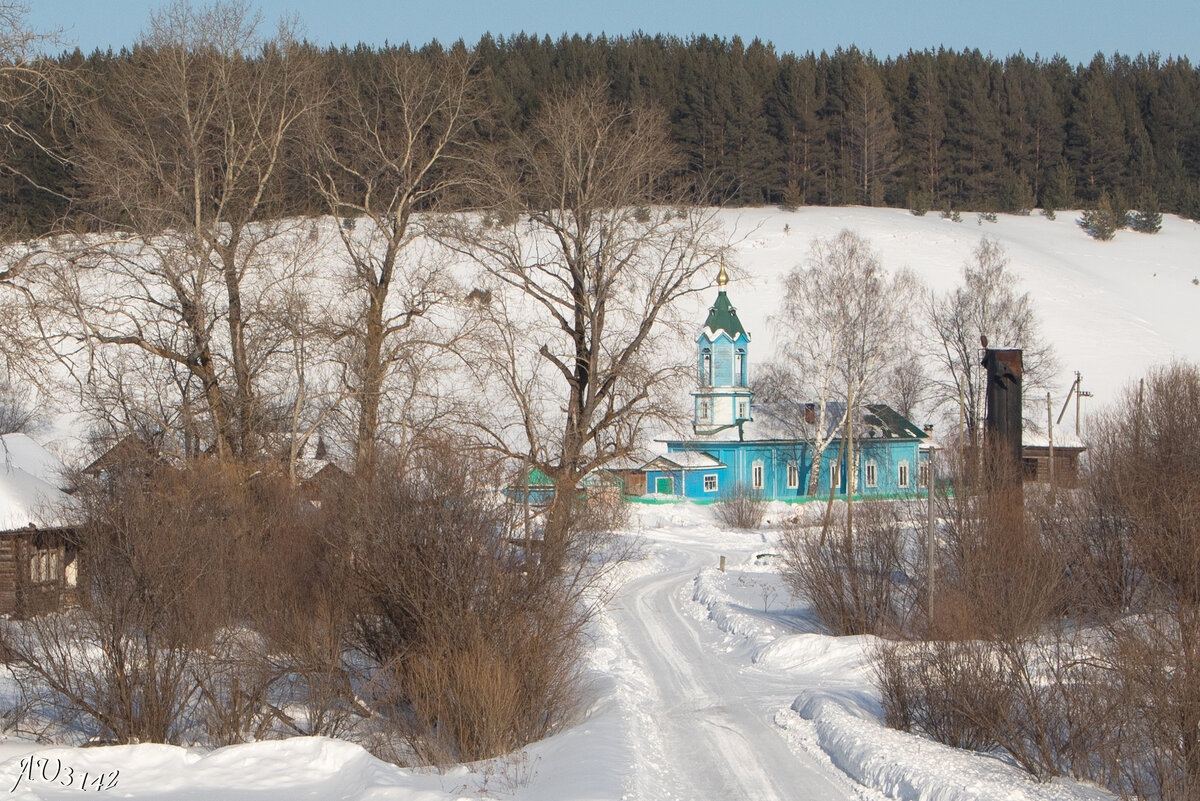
686, 460
29, 486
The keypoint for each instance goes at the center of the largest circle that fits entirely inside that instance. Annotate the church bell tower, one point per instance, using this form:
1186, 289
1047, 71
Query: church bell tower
723, 395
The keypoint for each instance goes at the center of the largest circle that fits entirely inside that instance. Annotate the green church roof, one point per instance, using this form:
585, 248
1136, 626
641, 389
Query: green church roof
723, 317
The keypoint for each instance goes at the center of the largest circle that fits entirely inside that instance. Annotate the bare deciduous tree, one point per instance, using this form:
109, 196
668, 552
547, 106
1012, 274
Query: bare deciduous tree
587, 271
182, 151
849, 320
986, 304
385, 163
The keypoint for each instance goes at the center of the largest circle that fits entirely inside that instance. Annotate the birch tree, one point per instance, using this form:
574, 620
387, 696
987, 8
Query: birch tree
985, 304
845, 318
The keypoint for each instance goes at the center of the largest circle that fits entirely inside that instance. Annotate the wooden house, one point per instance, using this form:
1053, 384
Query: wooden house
38, 547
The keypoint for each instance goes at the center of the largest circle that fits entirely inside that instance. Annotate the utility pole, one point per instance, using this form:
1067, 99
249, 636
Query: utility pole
930, 550
1079, 392
1050, 433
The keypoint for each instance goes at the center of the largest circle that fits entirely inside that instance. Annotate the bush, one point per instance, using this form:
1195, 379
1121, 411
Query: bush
1033, 697
475, 648
854, 578
1110, 694
740, 506
172, 564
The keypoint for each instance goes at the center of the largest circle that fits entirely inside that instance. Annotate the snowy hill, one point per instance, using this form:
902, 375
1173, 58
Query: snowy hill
1110, 309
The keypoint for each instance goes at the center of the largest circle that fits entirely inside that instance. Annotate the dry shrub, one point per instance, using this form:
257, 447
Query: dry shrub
1039, 699
476, 647
1113, 694
855, 576
199, 594
159, 558
740, 506
1143, 460
996, 576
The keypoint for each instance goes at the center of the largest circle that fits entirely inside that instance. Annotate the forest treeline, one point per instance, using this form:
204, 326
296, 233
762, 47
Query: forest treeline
926, 130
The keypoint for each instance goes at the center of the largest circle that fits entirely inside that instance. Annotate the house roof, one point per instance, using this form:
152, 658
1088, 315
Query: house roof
683, 460
128, 450
30, 494
722, 316
890, 422
786, 420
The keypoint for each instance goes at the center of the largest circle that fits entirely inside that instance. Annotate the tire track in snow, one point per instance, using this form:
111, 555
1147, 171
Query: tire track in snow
717, 739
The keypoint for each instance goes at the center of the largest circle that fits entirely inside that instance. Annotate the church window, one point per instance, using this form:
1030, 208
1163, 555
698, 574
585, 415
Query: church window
793, 475
835, 475
902, 474
739, 368
705, 413
756, 475
710, 482
923, 474
706, 369
743, 409
872, 477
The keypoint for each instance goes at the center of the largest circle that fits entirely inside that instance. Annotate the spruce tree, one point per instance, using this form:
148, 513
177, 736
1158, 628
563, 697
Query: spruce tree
1148, 218
1099, 222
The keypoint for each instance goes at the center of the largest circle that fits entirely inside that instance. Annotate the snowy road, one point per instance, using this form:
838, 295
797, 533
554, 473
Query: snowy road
713, 713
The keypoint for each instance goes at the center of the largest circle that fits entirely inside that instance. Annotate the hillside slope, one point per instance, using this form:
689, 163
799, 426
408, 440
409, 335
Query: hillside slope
1110, 309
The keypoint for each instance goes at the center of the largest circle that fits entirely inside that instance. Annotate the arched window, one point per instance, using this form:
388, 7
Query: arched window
739, 367
706, 367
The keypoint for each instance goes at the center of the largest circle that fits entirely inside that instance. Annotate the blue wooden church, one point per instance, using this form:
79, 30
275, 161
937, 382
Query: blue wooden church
761, 447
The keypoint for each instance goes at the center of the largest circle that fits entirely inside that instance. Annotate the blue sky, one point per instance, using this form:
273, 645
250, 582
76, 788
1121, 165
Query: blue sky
1072, 28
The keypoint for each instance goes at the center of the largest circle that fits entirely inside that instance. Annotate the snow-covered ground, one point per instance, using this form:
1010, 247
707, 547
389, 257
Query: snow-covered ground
701, 686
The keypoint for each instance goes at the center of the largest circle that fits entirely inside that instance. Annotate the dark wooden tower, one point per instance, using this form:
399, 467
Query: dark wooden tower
1003, 427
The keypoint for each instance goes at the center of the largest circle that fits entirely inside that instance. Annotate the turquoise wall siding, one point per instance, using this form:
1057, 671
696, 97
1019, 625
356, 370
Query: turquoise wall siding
692, 481
883, 457
723, 351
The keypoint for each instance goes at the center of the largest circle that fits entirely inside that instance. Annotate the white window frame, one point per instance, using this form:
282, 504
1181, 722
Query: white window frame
710, 482
793, 475
757, 474
705, 412
739, 368
871, 474
835, 475
923, 474
706, 369
743, 410
902, 476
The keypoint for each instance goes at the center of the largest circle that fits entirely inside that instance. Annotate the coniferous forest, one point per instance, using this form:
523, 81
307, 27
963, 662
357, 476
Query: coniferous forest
927, 130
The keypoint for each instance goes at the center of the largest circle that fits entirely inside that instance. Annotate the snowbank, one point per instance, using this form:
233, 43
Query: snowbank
839, 713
